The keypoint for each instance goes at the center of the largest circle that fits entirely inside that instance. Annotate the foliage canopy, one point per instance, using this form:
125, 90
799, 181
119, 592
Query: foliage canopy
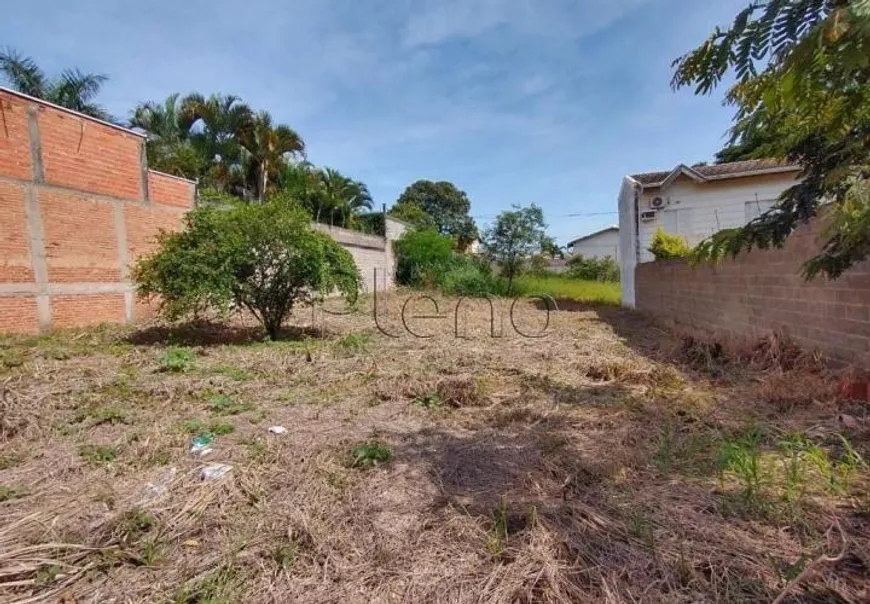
440, 205
802, 94
515, 235
72, 89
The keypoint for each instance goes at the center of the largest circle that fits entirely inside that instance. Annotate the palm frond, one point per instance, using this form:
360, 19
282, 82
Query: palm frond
22, 73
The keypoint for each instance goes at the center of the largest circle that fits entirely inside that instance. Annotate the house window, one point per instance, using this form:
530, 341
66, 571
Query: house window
754, 209
677, 222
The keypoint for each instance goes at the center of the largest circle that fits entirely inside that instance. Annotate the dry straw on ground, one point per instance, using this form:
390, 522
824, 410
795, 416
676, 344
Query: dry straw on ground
584, 466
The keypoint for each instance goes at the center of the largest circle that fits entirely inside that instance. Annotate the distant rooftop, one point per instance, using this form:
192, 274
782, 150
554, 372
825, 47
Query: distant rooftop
737, 169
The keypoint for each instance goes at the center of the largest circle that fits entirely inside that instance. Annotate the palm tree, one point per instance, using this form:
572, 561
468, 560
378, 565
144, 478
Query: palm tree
267, 147
168, 126
214, 125
73, 89
344, 196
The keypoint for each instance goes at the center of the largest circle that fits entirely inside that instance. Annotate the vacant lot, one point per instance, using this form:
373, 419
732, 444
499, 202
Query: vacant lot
608, 461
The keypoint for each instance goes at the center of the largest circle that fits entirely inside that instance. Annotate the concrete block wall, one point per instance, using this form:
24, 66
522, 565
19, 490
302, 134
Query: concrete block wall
77, 206
763, 291
370, 252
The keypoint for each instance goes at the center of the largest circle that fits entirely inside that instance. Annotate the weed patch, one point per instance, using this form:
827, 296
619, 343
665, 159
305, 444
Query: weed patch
177, 360
223, 405
98, 454
8, 493
370, 454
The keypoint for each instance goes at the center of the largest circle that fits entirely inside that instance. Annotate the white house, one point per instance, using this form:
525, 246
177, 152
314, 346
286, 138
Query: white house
599, 244
695, 203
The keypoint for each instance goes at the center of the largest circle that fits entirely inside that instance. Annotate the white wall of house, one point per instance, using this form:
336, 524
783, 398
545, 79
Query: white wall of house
697, 210
599, 245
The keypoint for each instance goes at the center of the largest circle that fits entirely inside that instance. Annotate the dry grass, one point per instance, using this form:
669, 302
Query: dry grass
602, 463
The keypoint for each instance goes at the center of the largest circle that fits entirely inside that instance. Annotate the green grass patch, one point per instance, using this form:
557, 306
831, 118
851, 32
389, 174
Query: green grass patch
176, 360
10, 460
236, 374
353, 343
9, 493
221, 404
97, 454
563, 288
221, 429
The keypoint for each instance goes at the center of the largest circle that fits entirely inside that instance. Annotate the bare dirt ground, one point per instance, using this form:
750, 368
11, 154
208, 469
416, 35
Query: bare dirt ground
609, 461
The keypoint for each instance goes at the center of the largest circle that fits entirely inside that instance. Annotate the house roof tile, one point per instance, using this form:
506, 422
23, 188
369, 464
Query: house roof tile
736, 169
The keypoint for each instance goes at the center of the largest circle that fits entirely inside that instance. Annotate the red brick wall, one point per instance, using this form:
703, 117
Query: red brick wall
169, 190
73, 214
89, 156
80, 240
14, 242
86, 309
14, 138
19, 313
763, 291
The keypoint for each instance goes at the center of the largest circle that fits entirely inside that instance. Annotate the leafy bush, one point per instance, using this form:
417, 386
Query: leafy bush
666, 247
593, 269
470, 277
422, 257
263, 259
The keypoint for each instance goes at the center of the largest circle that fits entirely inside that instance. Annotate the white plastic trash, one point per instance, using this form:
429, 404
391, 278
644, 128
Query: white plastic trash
214, 471
278, 430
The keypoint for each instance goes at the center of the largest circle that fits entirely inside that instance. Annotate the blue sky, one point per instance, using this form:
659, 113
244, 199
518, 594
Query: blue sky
515, 101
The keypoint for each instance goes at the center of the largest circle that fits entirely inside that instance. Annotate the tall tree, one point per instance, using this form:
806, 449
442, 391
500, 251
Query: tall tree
268, 146
516, 235
73, 89
216, 122
343, 196
803, 87
168, 127
443, 201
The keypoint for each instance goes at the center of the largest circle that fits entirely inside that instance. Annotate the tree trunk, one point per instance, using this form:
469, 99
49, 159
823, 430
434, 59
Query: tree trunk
264, 179
273, 329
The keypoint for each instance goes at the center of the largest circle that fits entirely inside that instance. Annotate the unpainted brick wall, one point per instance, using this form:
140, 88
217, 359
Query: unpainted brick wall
77, 205
763, 291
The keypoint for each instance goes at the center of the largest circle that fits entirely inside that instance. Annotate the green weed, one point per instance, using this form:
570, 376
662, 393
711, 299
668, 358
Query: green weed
741, 456
177, 360
98, 454
10, 493
193, 426
110, 415
353, 343
10, 460
371, 454
223, 405
429, 400
221, 429
641, 527
234, 373
498, 534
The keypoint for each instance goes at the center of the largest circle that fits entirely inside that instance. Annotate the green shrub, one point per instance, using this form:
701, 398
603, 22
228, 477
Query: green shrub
422, 257
263, 259
593, 269
666, 247
467, 276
